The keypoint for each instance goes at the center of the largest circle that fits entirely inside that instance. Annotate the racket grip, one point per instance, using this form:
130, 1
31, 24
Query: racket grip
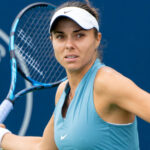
5, 108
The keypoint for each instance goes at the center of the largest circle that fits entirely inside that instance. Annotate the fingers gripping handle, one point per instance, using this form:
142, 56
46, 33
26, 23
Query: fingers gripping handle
5, 107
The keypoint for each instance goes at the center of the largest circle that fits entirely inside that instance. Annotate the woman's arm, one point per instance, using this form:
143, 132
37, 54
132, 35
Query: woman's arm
14, 142
121, 91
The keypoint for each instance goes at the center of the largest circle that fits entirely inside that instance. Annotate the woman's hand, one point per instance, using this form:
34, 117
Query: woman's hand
2, 126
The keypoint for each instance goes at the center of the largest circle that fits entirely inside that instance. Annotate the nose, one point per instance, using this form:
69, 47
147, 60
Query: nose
69, 44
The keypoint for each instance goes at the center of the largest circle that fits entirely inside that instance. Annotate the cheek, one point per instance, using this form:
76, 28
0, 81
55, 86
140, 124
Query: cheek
89, 48
55, 49
58, 50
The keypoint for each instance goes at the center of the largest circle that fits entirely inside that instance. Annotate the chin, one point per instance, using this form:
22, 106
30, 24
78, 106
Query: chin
72, 69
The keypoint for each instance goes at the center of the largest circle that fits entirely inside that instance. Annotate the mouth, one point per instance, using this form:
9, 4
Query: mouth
71, 57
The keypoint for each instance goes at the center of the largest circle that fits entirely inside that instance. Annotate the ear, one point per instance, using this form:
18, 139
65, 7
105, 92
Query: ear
51, 38
98, 39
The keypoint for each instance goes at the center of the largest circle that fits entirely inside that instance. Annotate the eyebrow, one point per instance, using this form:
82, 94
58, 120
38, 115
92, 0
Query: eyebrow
79, 30
61, 32
56, 32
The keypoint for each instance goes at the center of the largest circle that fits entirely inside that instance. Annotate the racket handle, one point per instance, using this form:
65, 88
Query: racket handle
5, 108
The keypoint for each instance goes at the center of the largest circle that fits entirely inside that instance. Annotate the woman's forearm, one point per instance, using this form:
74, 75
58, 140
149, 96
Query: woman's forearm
14, 142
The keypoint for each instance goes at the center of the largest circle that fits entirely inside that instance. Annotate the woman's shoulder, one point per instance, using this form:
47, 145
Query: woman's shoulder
107, 78
60, 90
106, 72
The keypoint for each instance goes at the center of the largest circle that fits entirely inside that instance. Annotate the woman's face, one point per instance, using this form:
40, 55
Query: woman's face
74, 47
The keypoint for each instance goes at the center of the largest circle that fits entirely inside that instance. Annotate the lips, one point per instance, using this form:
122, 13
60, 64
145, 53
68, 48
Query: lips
71, 58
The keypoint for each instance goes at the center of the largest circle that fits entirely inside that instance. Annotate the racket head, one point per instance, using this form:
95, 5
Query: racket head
32, 53
31, 48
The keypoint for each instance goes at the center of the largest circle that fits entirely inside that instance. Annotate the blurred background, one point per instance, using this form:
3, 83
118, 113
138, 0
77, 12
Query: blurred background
125, 27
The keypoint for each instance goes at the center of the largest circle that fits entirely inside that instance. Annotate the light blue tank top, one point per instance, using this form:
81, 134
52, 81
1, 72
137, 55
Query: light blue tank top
83, 129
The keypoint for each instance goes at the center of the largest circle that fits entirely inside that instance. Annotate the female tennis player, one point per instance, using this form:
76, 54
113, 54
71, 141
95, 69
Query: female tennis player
96, 107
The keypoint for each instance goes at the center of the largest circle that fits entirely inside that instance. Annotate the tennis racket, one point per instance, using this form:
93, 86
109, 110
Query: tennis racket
31, 54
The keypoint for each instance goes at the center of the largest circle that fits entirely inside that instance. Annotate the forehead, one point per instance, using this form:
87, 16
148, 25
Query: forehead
63, 22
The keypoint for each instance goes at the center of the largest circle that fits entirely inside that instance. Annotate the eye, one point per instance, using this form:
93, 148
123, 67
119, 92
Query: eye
60, 36
79, 35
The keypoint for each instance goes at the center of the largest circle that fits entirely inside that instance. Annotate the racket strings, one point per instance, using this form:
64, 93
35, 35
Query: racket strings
23, 35
34, 46
43, 46
48, 69
41, 51
45, 55
27, 40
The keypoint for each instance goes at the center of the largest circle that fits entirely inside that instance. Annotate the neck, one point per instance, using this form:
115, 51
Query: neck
75, 77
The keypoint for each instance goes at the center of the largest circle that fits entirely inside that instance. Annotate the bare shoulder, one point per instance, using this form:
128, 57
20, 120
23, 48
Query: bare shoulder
60, 90
108, 80
108, 72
